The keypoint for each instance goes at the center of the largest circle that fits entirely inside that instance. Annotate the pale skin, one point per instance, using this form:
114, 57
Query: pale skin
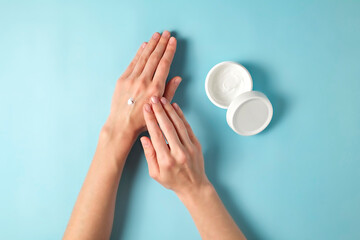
178, 165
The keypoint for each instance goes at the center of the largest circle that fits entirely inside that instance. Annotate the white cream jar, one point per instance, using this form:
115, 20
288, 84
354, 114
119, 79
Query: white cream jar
229, 85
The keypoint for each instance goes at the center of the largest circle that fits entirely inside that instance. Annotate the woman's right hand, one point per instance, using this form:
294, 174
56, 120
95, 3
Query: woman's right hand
178, 166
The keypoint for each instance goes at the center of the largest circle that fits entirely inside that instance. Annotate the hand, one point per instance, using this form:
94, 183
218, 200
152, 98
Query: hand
180, 164
144, 77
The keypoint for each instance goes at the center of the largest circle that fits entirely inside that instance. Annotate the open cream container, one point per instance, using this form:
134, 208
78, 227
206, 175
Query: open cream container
229, 85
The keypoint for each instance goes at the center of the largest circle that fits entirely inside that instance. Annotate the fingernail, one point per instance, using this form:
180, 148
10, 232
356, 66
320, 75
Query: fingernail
176, 106
147, 108
178, 80
172, 40
166, 34
144, 44
154, 99
163, 100
144, 142
156, 35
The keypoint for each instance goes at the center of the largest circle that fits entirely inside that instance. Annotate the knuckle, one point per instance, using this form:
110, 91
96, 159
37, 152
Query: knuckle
156, 86
141, 88
172, 49
168, 127
181, 115
186, 124
150, 154
152, 174
163, 65
152, 92
155, 58
146, 58
183, 160
167, 107
142, 61
168, 164
158, 135
182, 157
166, 62
142, 78
155, 89
192, 150
132, 64
198, 145
181, 127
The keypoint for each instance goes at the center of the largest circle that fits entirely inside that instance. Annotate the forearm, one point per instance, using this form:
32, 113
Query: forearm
93, 213
92, 216
210, 215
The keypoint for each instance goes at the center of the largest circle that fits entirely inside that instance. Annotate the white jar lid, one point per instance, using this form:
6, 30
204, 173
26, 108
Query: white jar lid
225, 81
229, 85
249, 113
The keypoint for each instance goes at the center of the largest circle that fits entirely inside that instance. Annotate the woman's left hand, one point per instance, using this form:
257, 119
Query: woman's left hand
144, 77
178, 165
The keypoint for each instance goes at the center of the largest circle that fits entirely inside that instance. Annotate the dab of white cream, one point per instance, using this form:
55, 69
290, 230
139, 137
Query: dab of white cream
131, 101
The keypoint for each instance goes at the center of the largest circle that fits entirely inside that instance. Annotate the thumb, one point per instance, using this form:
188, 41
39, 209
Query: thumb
171, 87
150, 156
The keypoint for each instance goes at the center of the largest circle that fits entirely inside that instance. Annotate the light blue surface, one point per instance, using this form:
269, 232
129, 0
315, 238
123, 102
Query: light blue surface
297, 180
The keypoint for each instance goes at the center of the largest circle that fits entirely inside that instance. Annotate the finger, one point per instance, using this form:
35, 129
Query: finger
132, 64
177, 121
156, 55
156, 135
163, 68
171, 87
165, 124
149, 48
150, 156
187, 125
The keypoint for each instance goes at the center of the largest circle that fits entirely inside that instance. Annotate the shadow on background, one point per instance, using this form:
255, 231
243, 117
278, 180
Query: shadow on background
263, 83
178, 68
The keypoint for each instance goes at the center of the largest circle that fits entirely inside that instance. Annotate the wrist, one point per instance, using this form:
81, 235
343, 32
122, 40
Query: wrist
115, 143
111, 132
195, 195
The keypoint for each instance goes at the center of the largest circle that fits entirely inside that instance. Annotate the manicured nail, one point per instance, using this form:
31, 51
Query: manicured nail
172, 40
177, 81
144, 142
156, 35
176, 106
154, 99
144, 44
147, 108
163, 100
166, 34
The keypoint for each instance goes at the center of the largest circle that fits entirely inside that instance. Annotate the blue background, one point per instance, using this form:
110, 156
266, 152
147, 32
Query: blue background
299, 179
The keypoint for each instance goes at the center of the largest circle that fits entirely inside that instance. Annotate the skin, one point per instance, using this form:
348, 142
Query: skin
178, 166
93, 213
